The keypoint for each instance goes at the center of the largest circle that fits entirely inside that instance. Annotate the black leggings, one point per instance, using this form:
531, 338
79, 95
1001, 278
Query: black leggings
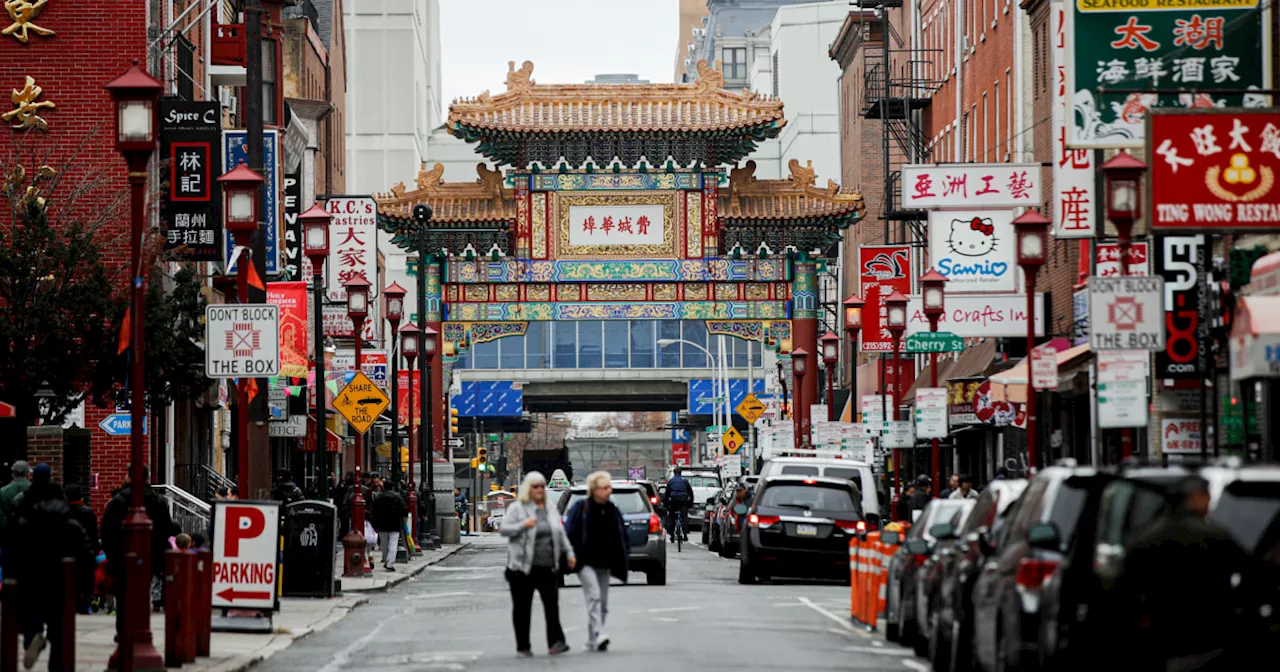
543, 580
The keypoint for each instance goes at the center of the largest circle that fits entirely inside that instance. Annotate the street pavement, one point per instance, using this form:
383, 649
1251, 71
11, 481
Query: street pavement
457, 616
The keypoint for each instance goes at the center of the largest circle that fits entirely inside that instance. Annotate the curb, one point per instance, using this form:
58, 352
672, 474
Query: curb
401, 578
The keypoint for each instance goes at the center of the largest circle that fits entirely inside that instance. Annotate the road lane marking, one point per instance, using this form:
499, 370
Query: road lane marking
663, 610
879, 651
916, 665
344, 656
844, 622
425, 595
664, 619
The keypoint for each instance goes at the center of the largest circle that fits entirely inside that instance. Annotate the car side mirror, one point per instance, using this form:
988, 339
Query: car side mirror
740, 509
942, 531
890, 538
984, 542
918, 547
1044, 536
711, 500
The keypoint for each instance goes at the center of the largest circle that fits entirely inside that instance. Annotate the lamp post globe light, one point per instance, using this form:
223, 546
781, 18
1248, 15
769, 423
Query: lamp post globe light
393, 308
830, 356
315, 245
353, 544
934, 298
430, 346
800, 367
136, 97
1032, 231
410, 336
1123, 176
852, 326
896, 321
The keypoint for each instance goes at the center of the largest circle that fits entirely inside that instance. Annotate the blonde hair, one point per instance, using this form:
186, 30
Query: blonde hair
524, 495
598, 480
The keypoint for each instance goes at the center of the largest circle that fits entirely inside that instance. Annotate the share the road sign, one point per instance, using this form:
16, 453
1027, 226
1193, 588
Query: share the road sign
750, 409
361, 402
245, 540
120, 424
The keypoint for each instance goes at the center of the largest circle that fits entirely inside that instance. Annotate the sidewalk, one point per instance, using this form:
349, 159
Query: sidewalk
232, 652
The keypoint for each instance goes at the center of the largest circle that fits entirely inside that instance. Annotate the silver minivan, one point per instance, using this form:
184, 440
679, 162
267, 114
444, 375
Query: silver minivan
858, 472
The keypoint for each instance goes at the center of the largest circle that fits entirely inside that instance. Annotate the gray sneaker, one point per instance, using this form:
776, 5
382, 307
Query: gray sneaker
557, 649
33, 651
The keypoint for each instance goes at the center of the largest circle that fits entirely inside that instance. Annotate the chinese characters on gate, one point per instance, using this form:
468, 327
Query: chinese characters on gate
616, 225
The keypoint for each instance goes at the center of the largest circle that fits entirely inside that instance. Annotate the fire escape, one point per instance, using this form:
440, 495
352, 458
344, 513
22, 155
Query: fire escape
896, 92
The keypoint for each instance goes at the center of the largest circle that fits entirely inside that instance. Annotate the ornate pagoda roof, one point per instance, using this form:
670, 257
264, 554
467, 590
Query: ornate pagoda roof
484, 200
544, 122
793, 212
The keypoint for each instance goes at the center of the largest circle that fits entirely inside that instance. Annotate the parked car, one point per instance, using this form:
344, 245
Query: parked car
715, 509
948, 621
1246, 501
900, 603
1039, 568
644, 527
727, 523
857, 472
924, 588
651, 491
798, 526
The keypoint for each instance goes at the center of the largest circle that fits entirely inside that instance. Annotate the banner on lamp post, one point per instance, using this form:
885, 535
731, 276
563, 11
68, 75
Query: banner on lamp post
883, 270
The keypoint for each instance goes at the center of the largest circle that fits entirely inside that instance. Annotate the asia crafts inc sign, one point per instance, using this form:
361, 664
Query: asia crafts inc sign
883, 270
1214, 169
986, 315
1147, 44
974, 249
971, 185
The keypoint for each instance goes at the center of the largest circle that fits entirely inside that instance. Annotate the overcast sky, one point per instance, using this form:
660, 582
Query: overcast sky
569, 41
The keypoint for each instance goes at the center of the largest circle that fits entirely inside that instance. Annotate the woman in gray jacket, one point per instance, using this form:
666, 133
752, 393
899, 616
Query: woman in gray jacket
536, 545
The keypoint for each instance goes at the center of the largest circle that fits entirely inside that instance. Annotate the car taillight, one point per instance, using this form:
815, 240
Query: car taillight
762, 522
655, 524
653, 500
851, 525
919, 559
1033, 573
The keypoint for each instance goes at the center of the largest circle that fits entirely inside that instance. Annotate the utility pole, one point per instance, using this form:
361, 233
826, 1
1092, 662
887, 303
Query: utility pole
259, 453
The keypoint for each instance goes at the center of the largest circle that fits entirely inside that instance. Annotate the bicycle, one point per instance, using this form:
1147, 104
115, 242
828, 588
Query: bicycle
677, 529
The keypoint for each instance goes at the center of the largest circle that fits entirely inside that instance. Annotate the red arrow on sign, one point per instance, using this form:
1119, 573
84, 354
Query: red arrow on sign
231, 595
8, 410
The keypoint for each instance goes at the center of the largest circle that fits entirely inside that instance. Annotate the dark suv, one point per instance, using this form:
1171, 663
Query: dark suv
644, 527
799, 526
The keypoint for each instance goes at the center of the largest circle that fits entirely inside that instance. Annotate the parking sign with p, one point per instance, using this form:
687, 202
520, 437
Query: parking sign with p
246, 538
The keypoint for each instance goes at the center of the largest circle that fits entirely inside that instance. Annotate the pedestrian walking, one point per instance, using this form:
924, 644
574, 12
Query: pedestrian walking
113, 539
20, 481
538, 549
598, 534
953, 484
88, 520
966, 490
45, 533
389, 511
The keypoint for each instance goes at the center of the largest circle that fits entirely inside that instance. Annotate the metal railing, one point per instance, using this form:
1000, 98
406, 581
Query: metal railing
190, 513
201, 480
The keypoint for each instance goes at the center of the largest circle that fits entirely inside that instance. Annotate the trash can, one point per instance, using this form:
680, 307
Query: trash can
310, 542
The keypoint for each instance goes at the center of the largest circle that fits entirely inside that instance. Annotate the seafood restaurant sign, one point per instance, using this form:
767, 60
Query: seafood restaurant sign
1135, 46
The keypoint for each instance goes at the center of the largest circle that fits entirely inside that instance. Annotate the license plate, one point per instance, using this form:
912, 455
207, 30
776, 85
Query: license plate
807, 530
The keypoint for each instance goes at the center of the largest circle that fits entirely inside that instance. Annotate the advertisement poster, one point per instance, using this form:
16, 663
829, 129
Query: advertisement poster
1107, 259
235, 150
292, 248
960, 400
974, 249
402, 397
1214, 170
1181, 260
1148, 44
189, 132
885, 269
353, 244
291, 297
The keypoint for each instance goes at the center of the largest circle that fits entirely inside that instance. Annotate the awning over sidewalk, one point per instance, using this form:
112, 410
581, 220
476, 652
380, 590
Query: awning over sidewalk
1255, 338
1011, 385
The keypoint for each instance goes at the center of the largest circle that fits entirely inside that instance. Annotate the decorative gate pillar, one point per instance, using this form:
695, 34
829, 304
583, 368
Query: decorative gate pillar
804, 331
439, 387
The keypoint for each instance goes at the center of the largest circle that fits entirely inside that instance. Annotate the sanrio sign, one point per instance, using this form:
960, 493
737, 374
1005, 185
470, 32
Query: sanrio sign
974, 249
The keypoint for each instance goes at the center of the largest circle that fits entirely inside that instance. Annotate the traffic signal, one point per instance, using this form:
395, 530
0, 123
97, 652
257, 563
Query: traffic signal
482, 456
453, 422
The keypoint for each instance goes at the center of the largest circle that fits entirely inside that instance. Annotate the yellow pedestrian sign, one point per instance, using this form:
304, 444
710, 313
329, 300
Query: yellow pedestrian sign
732, 440
750, 409
361, 402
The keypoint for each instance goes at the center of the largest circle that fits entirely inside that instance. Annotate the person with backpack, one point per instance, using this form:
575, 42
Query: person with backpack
678, 499
89, 521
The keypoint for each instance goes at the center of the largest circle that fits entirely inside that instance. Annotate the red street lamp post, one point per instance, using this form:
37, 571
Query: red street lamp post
354, 542
240, 190
393, 307
1031, 229
409, 337
830, 355
1123, 174
799, 367
853, 325
934, 298
430, 345
315, 244
896, 321
136, 94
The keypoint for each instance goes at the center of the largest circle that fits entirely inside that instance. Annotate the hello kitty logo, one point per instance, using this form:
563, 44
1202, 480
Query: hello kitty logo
975, 237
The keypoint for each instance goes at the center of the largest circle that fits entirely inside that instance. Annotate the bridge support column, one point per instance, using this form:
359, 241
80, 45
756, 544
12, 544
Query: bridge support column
804, 333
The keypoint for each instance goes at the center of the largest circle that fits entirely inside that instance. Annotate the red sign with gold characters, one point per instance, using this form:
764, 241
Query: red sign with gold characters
1214, 169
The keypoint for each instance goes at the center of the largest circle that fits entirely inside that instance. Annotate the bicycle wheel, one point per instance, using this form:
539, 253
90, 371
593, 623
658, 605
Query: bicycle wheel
679, 532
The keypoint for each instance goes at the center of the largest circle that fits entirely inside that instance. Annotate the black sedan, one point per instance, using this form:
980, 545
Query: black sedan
799, 526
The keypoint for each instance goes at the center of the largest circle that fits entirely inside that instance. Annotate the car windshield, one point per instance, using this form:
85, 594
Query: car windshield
1067, 508
627, 501
1251, 513
822, 498
703, 481
847, 473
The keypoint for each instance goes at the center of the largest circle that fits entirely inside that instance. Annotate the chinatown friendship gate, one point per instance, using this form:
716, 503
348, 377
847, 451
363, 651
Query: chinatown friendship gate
619, 203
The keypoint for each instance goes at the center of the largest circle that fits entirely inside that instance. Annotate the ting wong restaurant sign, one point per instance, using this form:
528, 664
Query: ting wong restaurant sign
1158, 44
1214, 169
974, 249
1181, 261
883, 270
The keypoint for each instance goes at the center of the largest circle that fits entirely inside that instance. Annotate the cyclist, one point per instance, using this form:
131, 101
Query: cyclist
679, 498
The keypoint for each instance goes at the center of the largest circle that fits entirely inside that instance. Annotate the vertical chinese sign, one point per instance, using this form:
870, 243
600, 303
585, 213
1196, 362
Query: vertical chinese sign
1141, 46
234, 150
884, 269
1074, 214
402, 396
292, 248
188, 134
353, 234
292, 299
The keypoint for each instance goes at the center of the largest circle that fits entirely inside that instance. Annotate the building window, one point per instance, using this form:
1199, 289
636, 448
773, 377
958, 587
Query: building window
1009, 123
775, 75
984, 126
185, 58
269, 83
999, 138
735, 62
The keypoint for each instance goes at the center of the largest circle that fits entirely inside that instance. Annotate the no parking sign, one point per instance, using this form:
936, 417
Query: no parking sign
246, 542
